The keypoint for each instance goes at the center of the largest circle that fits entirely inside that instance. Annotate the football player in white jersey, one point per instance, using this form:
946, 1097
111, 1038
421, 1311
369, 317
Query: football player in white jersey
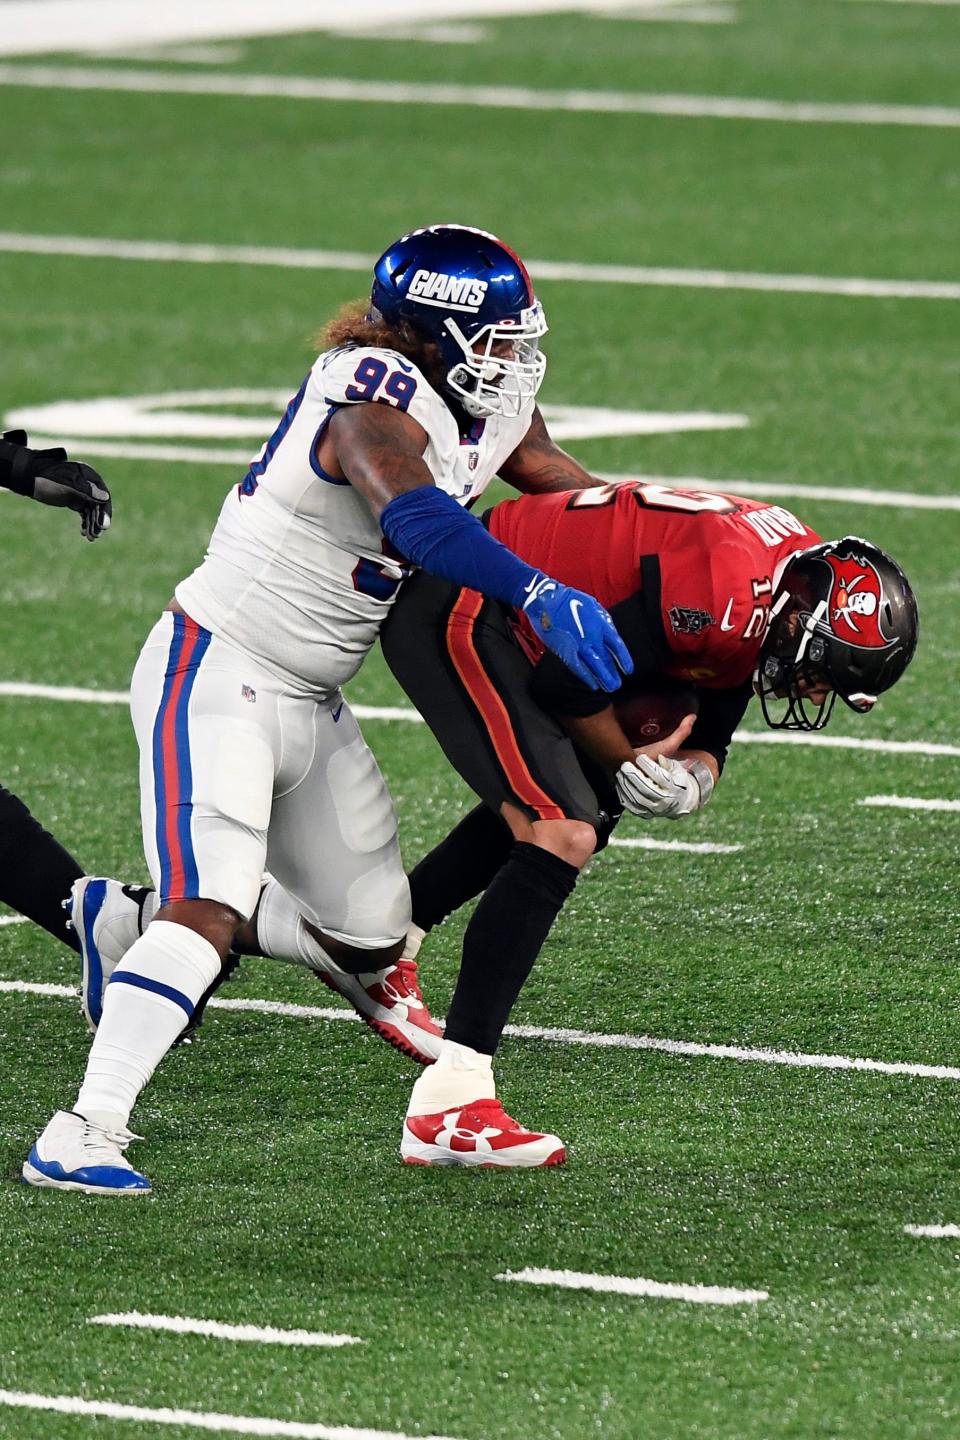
250, 760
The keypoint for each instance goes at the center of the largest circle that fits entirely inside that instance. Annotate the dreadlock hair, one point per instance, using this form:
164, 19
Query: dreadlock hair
354, 325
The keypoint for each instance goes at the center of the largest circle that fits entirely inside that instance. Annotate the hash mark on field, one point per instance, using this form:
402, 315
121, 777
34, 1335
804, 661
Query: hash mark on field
260, 1334
691, 1049
198, 1419
908, 802
93, 247
22, 690
485, 97
635, 1285
933, 1232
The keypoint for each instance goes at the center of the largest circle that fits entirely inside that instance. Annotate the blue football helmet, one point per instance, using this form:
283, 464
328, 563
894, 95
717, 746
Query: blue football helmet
471, 295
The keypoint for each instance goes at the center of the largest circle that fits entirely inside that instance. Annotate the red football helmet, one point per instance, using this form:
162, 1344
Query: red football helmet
843, 616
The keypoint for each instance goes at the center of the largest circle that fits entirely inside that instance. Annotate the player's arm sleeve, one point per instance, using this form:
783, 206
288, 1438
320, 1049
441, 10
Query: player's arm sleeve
430, 529
640, 625
718, 717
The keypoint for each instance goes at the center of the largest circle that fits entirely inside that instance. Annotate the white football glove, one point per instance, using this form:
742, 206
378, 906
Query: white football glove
663, 788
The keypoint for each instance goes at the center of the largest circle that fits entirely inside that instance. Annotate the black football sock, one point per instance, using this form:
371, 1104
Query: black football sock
35, 871
502, 942
460, 867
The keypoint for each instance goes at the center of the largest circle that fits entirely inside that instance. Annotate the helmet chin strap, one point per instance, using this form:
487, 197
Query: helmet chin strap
809, 626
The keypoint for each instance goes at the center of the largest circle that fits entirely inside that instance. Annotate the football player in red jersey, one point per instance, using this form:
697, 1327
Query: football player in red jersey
730, 595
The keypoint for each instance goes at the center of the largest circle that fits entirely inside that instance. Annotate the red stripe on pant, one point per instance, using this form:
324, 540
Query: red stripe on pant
485, 696
171, 766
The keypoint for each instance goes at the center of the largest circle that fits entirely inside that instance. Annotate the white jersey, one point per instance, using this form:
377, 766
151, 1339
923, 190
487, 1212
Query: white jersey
297, 571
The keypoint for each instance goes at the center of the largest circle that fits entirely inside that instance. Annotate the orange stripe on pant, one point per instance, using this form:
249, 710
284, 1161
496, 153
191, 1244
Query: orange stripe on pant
485, 696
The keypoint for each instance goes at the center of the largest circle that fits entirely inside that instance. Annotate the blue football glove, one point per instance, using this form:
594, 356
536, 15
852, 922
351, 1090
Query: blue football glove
579, 630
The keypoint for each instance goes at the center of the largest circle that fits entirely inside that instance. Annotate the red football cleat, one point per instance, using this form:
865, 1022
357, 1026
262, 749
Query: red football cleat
481, 1133
389, 1001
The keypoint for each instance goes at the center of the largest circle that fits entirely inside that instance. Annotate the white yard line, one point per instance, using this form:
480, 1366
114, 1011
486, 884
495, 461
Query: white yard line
821, 741
36, 987
197, 1419
13, 920
485, 97
933, 1232
908, 802
687, 847
213, 1329
83, 25
848, 494
634, 1285
903, 2
170, 252
763, 489
558, 1035
20, 689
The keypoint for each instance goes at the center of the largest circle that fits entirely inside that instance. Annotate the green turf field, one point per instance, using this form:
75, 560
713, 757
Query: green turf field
272, 1142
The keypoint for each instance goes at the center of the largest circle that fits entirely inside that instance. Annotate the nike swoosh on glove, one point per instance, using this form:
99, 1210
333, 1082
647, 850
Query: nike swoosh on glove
579, 630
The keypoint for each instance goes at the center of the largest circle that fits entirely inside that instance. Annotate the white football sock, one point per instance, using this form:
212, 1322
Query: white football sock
415, 938
456, 1077
142, 1018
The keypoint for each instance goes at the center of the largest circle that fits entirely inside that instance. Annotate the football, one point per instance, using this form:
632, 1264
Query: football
655, 711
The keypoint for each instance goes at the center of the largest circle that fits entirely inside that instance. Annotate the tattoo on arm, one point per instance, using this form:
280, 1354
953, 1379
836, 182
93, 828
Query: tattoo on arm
539, 466
380, 451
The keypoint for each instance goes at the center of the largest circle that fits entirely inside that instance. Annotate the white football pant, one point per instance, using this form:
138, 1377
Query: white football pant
238, 775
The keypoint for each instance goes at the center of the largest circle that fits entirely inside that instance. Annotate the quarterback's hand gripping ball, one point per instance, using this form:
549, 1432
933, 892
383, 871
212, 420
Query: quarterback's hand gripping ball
656, 785
664, 788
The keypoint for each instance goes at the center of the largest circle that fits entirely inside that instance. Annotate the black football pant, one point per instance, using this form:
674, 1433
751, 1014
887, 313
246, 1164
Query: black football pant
454, 654
35, 871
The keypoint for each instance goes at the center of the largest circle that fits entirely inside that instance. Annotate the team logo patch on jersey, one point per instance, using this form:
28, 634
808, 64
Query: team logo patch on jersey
855, 601
689, 622
449, 292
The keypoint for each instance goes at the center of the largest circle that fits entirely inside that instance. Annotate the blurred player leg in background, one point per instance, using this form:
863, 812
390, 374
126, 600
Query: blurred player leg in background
36, 873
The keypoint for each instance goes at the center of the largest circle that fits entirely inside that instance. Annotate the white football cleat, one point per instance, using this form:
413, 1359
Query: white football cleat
481, 1134
389, 1001
73, 1154
107, 917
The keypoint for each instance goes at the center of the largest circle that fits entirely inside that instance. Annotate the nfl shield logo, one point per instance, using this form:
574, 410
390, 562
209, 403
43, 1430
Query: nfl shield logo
248, 693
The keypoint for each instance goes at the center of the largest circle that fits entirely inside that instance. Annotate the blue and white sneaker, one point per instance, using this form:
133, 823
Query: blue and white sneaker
73, 1154
108, 917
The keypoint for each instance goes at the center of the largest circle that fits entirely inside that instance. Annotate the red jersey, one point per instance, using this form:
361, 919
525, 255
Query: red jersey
719, 556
